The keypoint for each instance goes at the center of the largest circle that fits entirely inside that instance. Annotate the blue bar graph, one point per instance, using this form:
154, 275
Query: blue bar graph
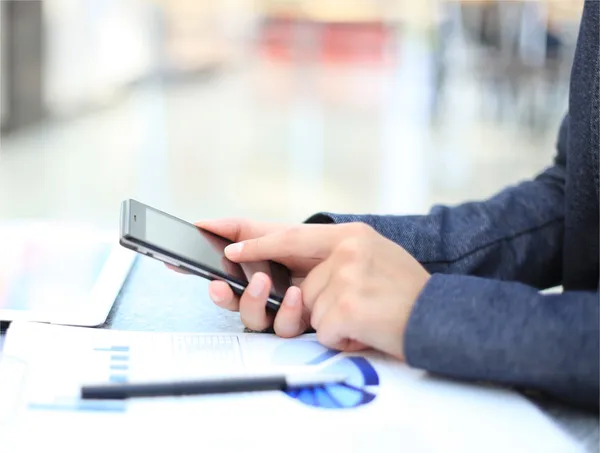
118, 367
81, 406
116, 361
114, 349
118, 378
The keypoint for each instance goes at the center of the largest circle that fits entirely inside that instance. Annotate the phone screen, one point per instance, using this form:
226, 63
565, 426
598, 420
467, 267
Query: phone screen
199, 246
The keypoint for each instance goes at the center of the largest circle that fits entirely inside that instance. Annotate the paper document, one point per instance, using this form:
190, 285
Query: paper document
383, 407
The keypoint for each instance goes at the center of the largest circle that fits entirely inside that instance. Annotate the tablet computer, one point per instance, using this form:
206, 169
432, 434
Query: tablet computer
59, 273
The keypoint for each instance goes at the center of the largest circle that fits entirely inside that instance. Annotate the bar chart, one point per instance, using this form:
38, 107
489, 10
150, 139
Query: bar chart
113, 362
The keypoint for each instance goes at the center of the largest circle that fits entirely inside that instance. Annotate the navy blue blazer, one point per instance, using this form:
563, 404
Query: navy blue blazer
481, 316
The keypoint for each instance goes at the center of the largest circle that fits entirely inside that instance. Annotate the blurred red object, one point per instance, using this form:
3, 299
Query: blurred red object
288, 40
355, 43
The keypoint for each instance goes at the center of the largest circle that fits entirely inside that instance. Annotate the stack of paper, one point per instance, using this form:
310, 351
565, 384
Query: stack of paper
384, 406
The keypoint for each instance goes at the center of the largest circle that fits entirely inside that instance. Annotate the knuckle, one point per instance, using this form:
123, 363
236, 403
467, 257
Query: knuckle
234, 228
347, 276
289, 237
350, 249
238, 229
347, 307
291, 234
360, 229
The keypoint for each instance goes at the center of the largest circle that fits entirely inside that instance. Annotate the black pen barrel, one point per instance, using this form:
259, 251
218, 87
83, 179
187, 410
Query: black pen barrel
204, 387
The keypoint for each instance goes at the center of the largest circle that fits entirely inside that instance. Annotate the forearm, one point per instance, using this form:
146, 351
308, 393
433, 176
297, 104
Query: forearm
479, 329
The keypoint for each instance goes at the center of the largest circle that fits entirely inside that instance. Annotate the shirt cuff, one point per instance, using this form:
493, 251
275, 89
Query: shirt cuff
328, 217
321, 217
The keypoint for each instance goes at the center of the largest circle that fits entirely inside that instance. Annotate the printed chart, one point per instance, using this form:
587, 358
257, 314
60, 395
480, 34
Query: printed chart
359, 389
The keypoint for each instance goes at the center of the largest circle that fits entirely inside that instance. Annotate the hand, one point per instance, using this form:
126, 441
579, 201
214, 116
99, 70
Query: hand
292, 318
362, 289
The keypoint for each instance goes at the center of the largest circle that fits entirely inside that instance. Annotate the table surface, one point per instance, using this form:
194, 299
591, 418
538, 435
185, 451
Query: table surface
156, 299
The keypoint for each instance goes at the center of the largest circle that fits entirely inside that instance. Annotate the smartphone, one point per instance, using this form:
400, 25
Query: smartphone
173, 241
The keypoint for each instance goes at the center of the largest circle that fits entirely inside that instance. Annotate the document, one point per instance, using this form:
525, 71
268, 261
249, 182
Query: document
384, 406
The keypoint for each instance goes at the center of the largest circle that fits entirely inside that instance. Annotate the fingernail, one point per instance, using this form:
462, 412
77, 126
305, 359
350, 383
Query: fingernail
215, 298
256, 286
234, 249
293, 297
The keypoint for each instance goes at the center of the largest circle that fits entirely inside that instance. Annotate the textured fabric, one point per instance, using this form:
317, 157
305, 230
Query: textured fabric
481, 316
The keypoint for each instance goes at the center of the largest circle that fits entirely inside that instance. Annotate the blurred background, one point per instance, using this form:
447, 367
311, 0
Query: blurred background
275, 109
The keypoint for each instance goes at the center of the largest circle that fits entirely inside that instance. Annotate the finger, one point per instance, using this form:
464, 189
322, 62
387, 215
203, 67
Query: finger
315, 283
289, 321
354, 346
238, 229
253, 303
325, 301
223, 296
321, 306
306, 241
177, 269
331, 333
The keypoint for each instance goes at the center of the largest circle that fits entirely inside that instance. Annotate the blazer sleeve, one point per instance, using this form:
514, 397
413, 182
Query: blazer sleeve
473, 328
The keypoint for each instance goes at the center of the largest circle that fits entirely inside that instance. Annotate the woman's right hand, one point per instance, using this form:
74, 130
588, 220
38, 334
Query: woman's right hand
292, 318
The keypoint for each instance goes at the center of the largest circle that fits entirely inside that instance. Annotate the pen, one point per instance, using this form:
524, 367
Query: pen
205, 386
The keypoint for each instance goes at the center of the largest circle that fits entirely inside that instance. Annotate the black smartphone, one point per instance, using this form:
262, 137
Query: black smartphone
171, 240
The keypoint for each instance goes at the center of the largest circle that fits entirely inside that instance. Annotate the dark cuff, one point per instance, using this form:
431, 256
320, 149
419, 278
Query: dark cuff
319, 218
329, 217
